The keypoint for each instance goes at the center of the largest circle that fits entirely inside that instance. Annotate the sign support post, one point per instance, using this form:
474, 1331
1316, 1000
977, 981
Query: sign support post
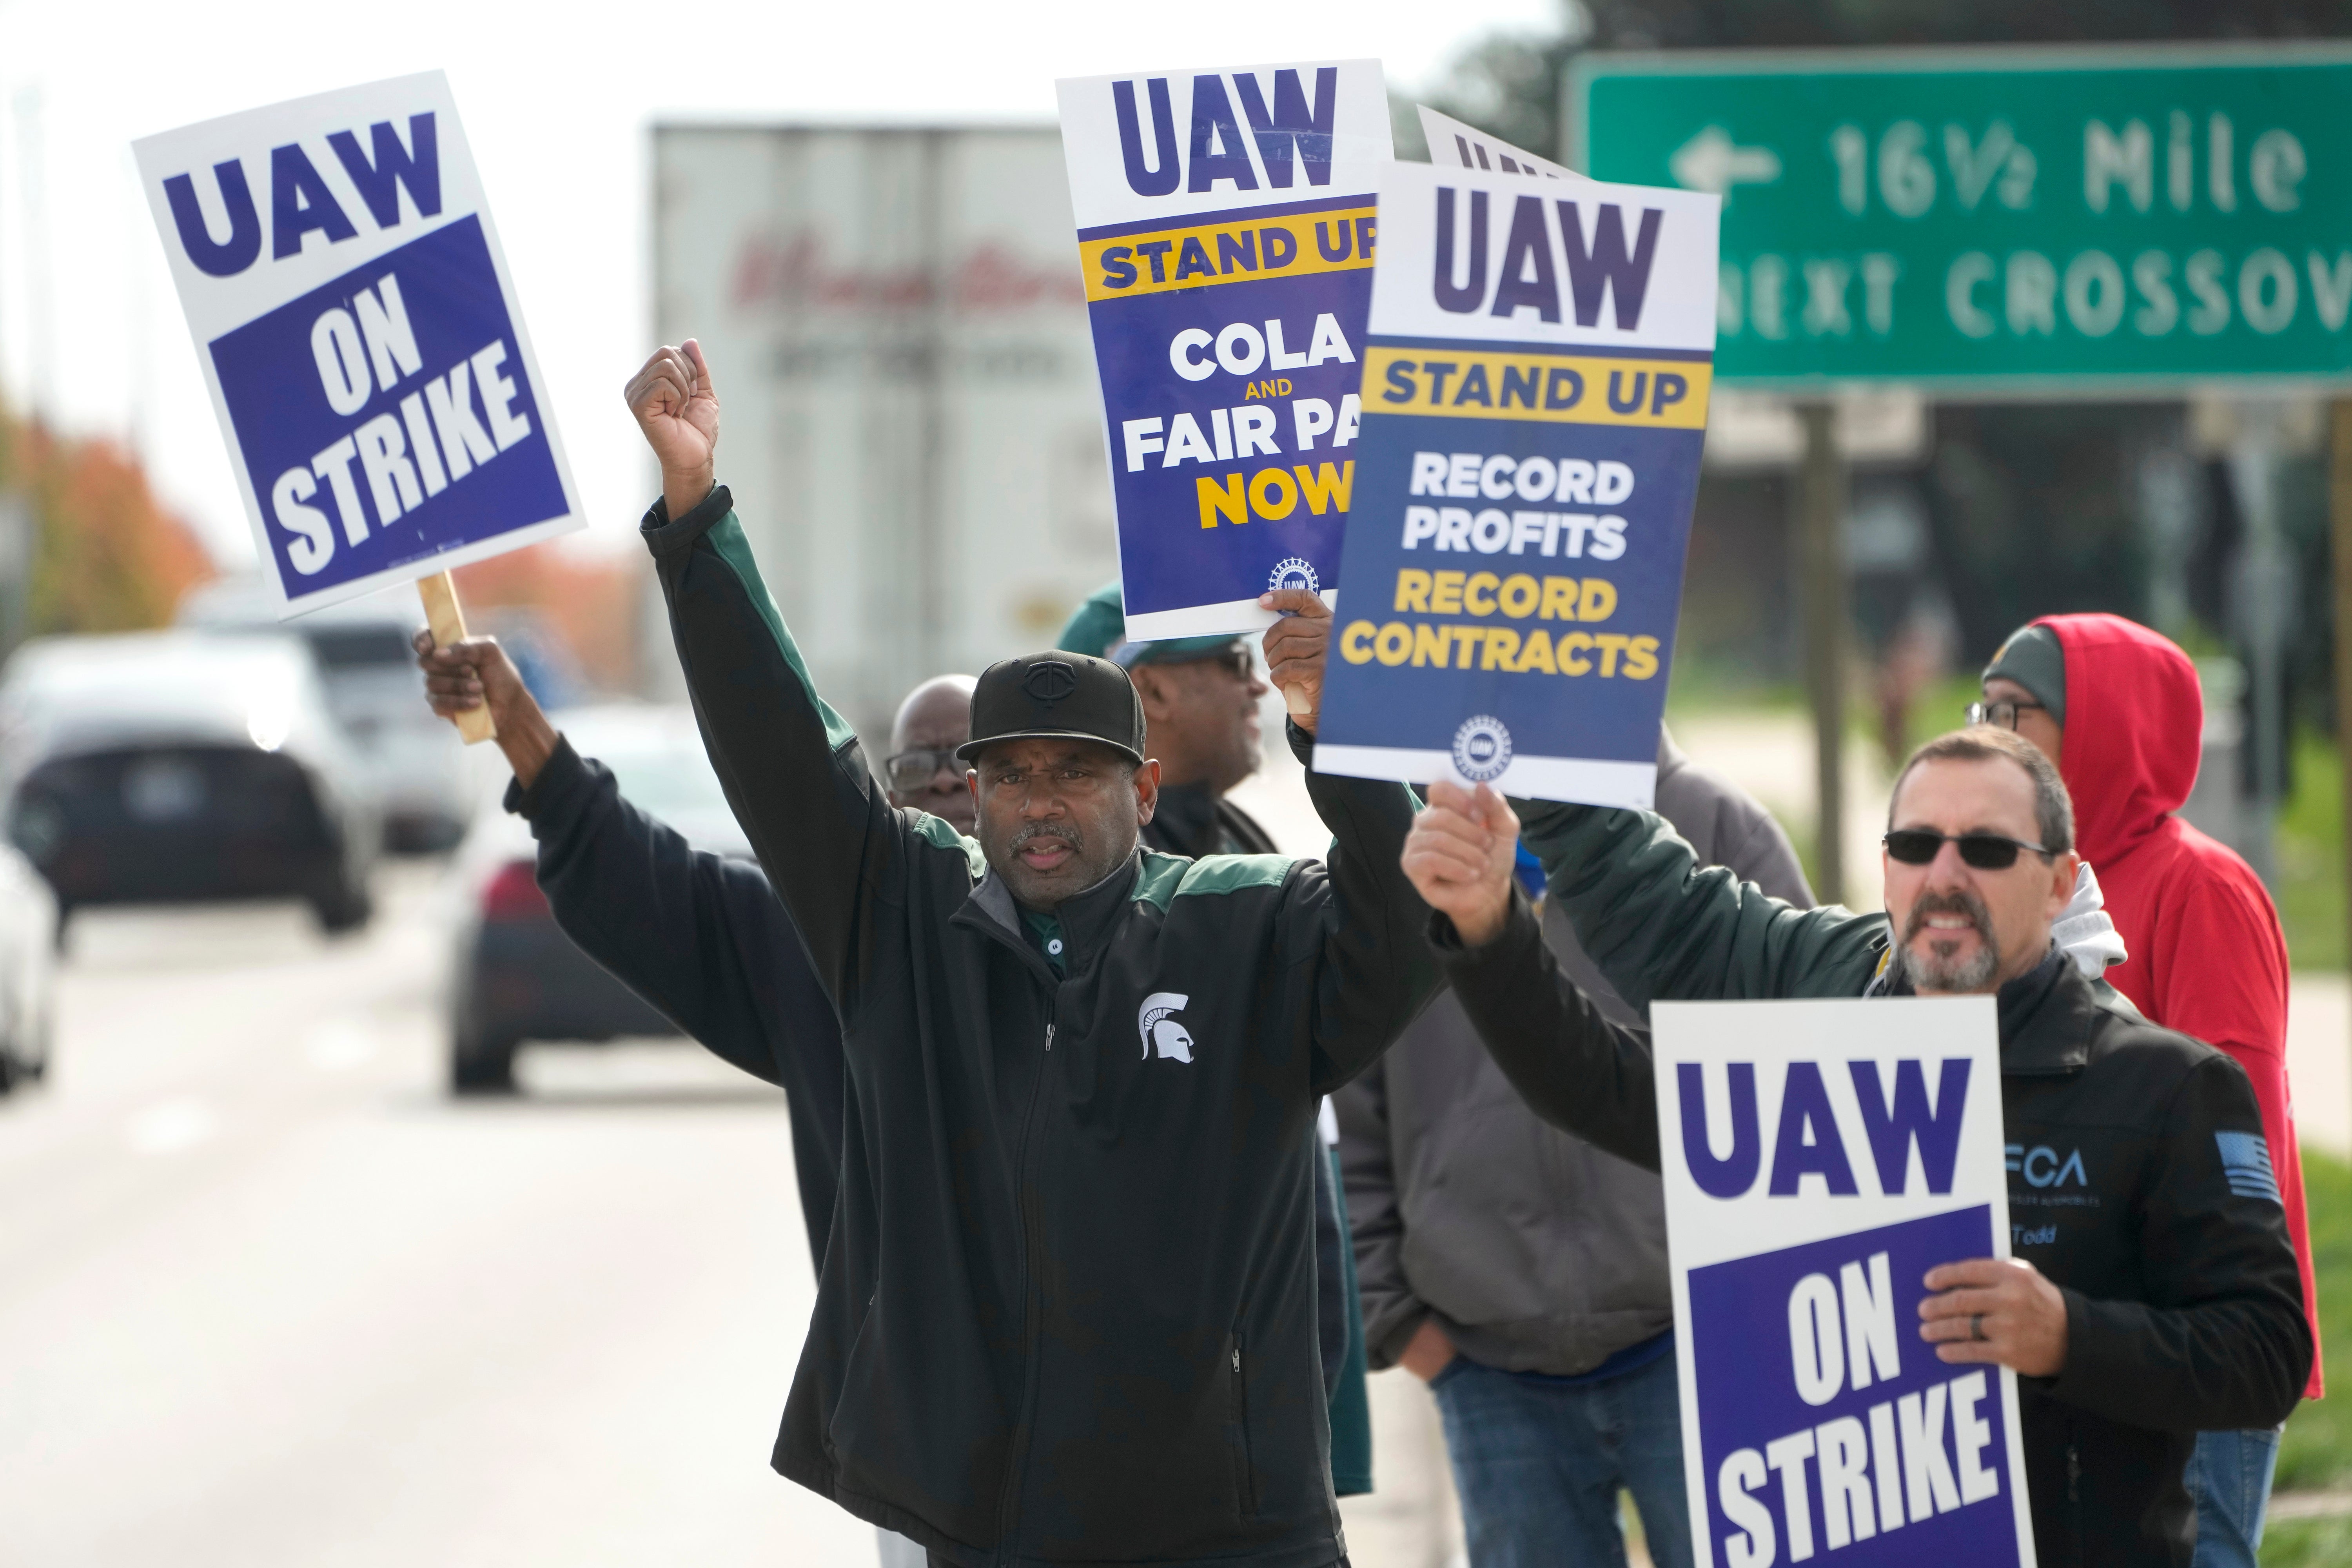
1820, 512
447, 619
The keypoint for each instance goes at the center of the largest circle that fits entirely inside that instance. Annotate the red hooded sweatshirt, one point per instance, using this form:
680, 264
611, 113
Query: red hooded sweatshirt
2207, 957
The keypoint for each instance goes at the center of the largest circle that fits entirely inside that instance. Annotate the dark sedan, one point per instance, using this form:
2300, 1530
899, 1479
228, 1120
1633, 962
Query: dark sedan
169, 767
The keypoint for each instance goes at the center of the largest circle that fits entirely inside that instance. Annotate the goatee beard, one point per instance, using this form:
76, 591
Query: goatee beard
1938, 970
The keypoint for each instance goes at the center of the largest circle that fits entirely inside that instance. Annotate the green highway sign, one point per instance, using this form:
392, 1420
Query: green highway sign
2009, 221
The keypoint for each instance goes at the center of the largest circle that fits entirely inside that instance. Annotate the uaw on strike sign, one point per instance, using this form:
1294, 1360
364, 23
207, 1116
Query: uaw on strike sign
384, 410
1535, 400
1820, 1158
1226, 230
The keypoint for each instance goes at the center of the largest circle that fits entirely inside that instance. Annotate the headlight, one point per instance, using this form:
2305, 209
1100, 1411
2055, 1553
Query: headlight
268, 722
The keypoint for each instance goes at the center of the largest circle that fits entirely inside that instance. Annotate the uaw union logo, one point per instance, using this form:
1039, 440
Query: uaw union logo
1294, 573
1482, 748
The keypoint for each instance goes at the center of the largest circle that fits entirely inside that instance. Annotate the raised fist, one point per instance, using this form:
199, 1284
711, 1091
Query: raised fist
677, 409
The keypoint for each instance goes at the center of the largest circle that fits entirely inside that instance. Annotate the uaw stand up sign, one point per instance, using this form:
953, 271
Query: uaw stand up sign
1226, 232
384, 410
1535, 400
1820, 1158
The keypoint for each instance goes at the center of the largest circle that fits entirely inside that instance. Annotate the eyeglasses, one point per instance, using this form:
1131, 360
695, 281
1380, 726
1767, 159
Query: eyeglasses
1234, 662
912, 771
1985, 851
2002, 715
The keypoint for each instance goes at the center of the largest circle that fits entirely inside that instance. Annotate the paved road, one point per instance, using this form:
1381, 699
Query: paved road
268, 1298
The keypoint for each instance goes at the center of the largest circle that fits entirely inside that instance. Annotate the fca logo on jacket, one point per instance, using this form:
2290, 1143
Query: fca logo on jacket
2042, 1167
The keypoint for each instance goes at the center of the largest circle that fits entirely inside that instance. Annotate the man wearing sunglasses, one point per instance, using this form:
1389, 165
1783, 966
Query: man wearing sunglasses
2152, 1291
2117, 707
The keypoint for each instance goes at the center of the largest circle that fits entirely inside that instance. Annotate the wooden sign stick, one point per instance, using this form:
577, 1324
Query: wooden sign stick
443, 614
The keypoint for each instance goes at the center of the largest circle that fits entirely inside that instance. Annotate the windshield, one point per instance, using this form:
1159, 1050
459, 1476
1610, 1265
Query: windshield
358, 647
667, 781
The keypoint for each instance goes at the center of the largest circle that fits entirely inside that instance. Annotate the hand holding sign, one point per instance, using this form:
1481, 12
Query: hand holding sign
676, 406
1997, 1310
1294, 650
475, 677
1459, 856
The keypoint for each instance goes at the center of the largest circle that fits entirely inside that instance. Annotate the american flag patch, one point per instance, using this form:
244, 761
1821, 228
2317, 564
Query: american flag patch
2246, 1164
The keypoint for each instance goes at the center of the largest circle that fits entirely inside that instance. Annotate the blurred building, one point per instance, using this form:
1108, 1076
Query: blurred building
913, 431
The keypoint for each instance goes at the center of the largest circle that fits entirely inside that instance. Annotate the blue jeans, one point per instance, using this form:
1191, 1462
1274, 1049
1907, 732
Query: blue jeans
2228, 1479
1538, 1466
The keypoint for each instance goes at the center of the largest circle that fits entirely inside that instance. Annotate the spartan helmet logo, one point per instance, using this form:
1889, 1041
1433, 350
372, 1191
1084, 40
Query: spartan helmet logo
1159, 1031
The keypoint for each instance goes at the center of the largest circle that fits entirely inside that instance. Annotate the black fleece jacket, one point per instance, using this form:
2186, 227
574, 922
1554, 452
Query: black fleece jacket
2184, 1308
1067, 1315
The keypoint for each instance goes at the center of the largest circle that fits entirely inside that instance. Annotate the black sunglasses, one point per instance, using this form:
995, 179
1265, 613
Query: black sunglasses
1985, 851
2002, 715
912, 771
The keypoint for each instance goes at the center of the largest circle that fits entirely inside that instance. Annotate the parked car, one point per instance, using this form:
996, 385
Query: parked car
517, 976
374, 690
29, 948
174, 767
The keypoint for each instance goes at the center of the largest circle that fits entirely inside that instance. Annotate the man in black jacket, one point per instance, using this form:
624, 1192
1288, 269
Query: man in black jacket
2171, 1304
1068, 1311
732, 972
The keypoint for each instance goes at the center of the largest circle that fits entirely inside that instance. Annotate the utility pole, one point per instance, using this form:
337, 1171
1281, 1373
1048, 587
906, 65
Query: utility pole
2340, 531
1821, 593
32, 243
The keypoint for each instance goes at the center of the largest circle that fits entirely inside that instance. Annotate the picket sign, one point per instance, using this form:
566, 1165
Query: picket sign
1454, 144
1534, 395
1818, 1158
1227, 233
361, 337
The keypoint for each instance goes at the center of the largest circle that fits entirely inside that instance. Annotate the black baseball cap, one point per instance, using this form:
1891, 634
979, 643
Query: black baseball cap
1053, 696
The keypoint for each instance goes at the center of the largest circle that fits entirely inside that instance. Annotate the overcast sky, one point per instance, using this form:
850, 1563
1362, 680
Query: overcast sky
556, 101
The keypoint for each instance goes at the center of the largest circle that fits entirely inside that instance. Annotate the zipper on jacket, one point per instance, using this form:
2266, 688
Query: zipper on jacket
1237, 1402
2073, 1473
1018, 1459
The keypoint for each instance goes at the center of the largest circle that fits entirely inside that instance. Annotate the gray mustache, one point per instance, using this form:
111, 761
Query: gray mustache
1953, 903
1063, 831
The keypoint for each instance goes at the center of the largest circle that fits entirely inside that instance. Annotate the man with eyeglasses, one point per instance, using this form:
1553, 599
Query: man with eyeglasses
1200, 701
923, 772
2118, 708
2151, 1291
